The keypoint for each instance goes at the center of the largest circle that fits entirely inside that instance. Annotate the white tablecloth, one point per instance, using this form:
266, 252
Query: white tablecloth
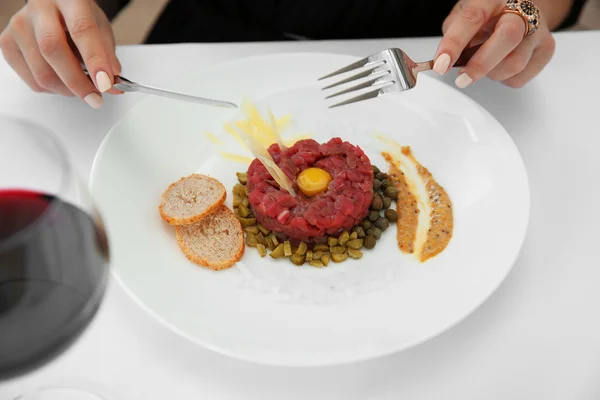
538, 336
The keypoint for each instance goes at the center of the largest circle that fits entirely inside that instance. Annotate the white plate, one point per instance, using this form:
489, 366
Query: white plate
272, 312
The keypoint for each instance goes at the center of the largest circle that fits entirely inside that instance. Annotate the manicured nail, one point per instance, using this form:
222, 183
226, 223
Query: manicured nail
94, 100
103, 81
441, 64
463, 81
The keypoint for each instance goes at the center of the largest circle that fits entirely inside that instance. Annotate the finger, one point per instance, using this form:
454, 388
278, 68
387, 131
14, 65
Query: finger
515, 62
540, 58
85, 33
508, 34
42, 72
471, 17
16, 61
110, 45
53, 45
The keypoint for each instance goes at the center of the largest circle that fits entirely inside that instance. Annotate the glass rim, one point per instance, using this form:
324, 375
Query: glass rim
66, 178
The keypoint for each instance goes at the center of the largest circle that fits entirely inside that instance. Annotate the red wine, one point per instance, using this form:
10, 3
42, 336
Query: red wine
53, 272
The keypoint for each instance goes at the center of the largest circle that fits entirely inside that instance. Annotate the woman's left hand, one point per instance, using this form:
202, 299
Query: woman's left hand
506, 54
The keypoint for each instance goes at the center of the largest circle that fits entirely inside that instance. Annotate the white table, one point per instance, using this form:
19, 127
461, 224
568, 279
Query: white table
538, 336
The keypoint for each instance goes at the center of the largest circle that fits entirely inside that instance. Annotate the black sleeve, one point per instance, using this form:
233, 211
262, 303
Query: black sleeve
573, 14
112, 7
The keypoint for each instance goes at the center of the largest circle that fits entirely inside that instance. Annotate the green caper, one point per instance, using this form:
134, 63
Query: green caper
246, 202
360, 232
309, 255
338, 250
287, 248
391, 215
375, 232
370, 242
376, 184
251, 240
261, 239
316, 263
247, 221
237, 200
366, 224
278, 252
381, 176
269, 243
354, 235
274, 239
344, 237
375, 169
244, 211
387, 202
261, 250
321, 247
252, 229
339, 257
374, 216
385, 184
356, 254
242, 177
377, 203
332, 242
325, 259
382, 224
240, 190
297, 259
302, 247
355, 244
390, 192
264, 230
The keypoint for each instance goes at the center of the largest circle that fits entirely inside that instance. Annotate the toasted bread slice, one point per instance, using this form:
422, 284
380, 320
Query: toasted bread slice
191, 198
215, 242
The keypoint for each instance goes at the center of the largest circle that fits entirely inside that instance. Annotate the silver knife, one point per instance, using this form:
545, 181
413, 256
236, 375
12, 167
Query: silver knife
126, 85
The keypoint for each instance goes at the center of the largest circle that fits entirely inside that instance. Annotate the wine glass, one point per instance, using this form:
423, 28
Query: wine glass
53, 250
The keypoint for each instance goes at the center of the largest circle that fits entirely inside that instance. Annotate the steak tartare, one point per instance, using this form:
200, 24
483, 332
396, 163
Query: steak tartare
343, 205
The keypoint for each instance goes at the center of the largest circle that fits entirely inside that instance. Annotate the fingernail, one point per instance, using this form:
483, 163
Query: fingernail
103, 81
441, 64
94, 100
463, 81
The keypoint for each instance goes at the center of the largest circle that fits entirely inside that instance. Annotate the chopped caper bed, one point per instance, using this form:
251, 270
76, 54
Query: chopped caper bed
337, 249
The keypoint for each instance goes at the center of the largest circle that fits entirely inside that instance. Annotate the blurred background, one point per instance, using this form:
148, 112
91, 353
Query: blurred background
132, 25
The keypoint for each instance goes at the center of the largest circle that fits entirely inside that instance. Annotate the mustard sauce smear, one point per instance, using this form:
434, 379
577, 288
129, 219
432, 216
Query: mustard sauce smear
441, 218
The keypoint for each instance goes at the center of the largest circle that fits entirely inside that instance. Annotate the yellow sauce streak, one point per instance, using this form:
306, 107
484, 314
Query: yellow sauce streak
407, 209
236, 158
213, 139
441, 216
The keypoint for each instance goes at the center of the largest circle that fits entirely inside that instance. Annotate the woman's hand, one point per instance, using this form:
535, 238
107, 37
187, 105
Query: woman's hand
506, 54
46, 41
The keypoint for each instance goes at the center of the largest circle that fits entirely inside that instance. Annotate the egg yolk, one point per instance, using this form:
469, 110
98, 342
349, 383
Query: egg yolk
313, 181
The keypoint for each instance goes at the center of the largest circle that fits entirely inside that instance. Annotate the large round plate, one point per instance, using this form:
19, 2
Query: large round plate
272, 312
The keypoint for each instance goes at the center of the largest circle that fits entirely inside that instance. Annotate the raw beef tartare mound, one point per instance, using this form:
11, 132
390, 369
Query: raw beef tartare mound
343, 205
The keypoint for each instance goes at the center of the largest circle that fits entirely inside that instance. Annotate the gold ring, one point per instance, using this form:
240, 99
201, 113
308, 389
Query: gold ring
526, 10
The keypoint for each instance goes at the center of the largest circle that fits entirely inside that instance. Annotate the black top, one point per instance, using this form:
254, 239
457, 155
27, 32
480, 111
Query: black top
273, 20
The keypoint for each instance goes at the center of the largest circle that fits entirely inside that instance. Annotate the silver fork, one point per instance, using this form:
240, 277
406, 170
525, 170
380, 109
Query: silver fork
390, 71
126, 85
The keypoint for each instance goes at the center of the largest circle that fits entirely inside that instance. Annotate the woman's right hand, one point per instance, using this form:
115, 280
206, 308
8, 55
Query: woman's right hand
37, 45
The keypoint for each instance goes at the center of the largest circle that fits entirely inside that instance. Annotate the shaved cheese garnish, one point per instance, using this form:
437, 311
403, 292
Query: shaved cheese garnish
278, 138
265, 158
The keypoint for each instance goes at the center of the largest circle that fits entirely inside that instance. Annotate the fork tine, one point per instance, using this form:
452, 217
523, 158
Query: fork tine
355, 77
359, 86
364, 96
350, 67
